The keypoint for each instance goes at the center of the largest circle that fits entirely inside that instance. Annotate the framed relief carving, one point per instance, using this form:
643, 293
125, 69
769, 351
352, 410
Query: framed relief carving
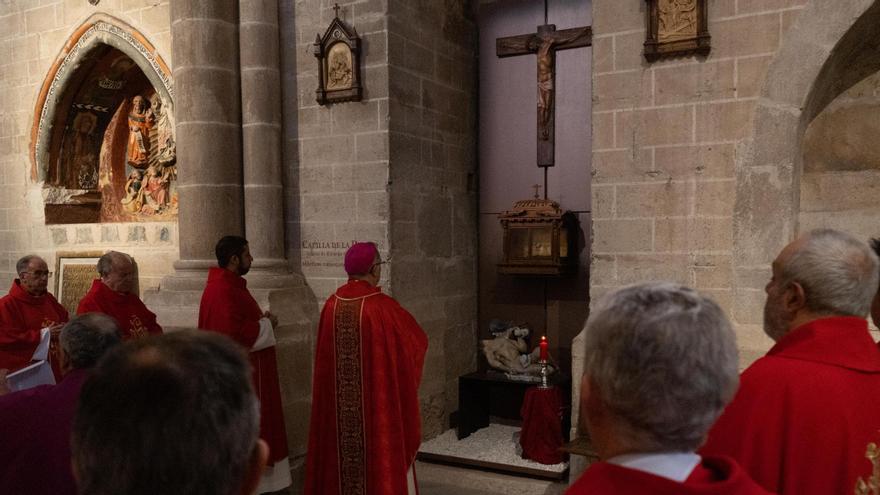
676, 28
74, 275
338, 54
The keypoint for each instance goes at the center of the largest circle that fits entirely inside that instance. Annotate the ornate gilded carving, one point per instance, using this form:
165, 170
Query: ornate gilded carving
676, 28
872, 485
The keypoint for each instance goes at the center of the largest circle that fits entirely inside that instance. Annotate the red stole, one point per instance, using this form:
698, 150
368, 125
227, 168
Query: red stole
714, 475
21, 318
805, 413
365, 426
229, 308
134, 319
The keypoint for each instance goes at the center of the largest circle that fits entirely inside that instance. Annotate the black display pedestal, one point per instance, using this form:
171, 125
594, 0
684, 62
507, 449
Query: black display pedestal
482, 394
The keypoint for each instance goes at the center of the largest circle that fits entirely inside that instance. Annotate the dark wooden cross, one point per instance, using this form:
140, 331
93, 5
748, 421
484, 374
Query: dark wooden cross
544, 43
336, 8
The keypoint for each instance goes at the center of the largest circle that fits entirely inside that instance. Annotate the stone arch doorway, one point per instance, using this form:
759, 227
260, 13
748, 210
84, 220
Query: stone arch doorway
103, 133
832, 46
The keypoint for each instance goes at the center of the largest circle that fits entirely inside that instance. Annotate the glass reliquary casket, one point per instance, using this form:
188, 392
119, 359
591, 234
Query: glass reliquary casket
539, 239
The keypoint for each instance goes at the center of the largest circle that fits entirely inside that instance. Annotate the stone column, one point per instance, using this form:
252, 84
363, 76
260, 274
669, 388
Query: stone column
208, 108
261, 133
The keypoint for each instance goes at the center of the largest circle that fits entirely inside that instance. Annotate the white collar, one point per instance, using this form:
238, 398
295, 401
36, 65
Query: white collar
676, 466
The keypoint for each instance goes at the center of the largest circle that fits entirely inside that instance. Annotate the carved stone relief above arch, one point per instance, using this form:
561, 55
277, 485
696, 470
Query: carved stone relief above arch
102, 141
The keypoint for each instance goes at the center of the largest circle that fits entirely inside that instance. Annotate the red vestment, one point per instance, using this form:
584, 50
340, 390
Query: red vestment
35, 438
365, 426
229, 308
714, 475
805, 413
22, 316
133, 318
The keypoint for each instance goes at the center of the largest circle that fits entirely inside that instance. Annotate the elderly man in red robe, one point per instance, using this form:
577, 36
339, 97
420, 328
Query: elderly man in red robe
25, 311
229, 308
660, 364
35, 424
807, 416
365, 425
112, 295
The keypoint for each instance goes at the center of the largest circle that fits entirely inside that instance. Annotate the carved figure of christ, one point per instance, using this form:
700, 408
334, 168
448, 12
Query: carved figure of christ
544, 44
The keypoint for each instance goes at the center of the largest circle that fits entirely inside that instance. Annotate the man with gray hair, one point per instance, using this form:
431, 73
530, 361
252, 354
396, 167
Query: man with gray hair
113, 294
35, 423
807, 411
25, 312
660, 366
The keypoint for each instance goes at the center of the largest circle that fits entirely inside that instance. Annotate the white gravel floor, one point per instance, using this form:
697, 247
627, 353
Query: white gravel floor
497, 443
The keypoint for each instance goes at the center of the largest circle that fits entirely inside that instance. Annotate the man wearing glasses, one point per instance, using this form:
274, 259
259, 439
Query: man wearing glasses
25, 311
365, 424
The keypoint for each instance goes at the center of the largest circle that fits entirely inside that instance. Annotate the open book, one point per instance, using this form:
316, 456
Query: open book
39, 372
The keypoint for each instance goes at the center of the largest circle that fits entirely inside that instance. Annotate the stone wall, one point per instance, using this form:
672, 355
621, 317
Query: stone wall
395, 168
666, 139
32, 35
432, 81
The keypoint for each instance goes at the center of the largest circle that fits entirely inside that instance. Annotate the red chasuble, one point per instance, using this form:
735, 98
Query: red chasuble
805, 413
21, 318
229, 308
133, 318
365, 426
715, 476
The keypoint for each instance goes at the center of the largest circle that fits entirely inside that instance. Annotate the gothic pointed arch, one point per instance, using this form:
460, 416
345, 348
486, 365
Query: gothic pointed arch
103, 128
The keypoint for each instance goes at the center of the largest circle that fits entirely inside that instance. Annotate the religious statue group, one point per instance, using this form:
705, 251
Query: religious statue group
151, 156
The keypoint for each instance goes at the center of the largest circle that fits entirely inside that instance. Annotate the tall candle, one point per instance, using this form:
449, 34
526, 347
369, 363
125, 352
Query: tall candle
543, 348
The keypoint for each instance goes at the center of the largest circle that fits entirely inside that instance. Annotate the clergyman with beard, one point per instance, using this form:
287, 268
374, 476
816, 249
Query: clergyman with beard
229, 308
805, 414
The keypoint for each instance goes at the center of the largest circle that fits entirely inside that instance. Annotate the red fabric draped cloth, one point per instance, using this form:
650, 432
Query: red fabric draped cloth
805, 413
134, 319
541, 435
229, 308
22, 316
35, 438
713, 476
365, 426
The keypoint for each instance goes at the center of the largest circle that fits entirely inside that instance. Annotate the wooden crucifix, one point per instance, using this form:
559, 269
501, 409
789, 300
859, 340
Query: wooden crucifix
544, 43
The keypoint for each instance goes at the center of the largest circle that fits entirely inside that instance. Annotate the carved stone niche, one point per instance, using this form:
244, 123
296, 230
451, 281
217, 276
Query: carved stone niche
539, 239
676, 28
339, 68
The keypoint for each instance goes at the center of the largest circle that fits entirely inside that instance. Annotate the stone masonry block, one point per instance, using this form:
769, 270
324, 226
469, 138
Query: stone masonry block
636, 268
360, 177
622, 236
372, 206
327, 207
11, 25
713, 271
214, 93
602, 201
704, 161
156, 19
633, 165
211, 167
360, 116
603, 130
621, 90
322, 150
654, 200
751, 6
715, 197
216, 46
375, 82
725, 121
752, 277
629, 51
435, 226
259, 102
749, 306
822, 191
721, 8
729, 38
40, 19
750, 75
603, 269
603, 54
418, 59
404, 87
223, 10
656, 126
612, 15
693, 234
700, 81
84, 235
